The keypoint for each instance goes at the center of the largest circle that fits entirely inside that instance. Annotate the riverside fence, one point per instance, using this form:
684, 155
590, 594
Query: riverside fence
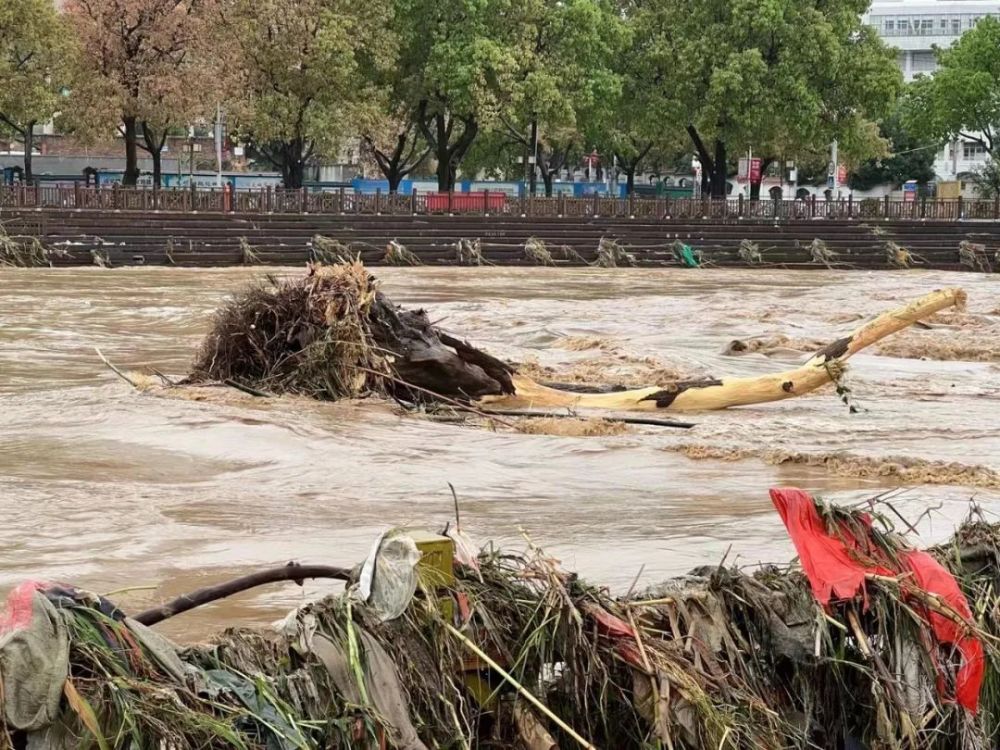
484, 203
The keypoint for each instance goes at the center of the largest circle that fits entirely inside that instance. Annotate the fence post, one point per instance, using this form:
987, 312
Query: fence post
923, 207
486, 202
450, 191
378, 201
850, 206
413, 201
303, 200
960, 207
996, 207
76, 194
885, 207
812, 206
631, 205
739, 206
562, 204
597, 205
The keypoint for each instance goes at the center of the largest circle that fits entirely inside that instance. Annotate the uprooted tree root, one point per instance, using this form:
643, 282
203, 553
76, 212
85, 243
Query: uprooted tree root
331, 334
715, 659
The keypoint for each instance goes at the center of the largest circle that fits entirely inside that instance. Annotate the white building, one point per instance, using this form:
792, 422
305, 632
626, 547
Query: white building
915, 28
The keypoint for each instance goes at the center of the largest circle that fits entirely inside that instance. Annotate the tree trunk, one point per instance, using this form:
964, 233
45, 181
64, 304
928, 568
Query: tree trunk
29, 143
629, 179
716, 393
718, 182
395, 176
755, 186
293, 171
157, 156
131, 177
547, 179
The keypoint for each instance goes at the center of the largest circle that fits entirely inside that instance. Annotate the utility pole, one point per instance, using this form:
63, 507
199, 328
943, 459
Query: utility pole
218, 145
835, 170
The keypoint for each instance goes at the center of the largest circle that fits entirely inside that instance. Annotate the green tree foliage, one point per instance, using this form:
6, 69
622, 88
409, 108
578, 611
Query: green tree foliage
36, 48
296, 68
642, 116
987, 180
780, 76
563, 77
961, 100
910, 158
456, 59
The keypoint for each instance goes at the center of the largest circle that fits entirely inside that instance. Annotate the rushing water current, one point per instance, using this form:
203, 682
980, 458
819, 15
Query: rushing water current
113, 489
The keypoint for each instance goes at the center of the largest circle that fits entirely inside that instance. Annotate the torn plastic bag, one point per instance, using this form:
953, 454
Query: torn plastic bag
389, 575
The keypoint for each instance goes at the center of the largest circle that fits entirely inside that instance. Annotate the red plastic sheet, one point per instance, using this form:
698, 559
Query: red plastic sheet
837, 564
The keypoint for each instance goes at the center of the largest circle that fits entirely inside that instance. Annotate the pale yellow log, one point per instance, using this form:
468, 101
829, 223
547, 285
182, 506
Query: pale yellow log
727, 392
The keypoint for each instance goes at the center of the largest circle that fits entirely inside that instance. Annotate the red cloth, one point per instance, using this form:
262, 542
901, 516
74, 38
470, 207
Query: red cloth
932, 577
836, 566
830, 562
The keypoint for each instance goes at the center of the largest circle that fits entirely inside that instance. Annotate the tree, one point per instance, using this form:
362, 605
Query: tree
296, 71
776, 75
397, 147
455, 59
36, 47
563, 72
143, 68
910, 158
987, 180
962, 98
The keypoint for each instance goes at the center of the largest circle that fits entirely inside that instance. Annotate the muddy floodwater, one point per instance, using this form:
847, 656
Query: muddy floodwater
115, 489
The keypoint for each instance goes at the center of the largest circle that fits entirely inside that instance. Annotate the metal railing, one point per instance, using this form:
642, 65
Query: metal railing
288, 201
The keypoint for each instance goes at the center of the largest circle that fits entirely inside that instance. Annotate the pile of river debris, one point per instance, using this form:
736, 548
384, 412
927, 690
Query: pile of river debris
866, 643
332, 334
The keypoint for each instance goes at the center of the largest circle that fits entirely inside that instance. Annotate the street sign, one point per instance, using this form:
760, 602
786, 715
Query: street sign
841, 174
755, 174
744, 168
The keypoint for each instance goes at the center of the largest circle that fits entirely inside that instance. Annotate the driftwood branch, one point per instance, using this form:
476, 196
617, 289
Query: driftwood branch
291, 572
716, 393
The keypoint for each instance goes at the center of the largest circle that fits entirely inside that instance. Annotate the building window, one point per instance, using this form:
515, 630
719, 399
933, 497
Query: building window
956, 26
972, 150
889, 26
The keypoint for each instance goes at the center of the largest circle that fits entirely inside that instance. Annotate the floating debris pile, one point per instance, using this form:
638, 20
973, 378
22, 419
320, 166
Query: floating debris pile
868, 643
332, 334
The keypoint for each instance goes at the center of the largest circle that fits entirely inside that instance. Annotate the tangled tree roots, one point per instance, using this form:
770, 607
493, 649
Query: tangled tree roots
536, 251
611, 254
330, 251
897, 256
397, 254
973, 255
715, 659
331, 334
820, 253
25, 252
749, 252
470, 253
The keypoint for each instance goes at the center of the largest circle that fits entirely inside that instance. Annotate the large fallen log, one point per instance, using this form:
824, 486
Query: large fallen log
333, 334
824, 366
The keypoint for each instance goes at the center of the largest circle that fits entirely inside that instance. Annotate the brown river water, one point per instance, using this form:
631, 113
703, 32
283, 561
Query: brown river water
110, 488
